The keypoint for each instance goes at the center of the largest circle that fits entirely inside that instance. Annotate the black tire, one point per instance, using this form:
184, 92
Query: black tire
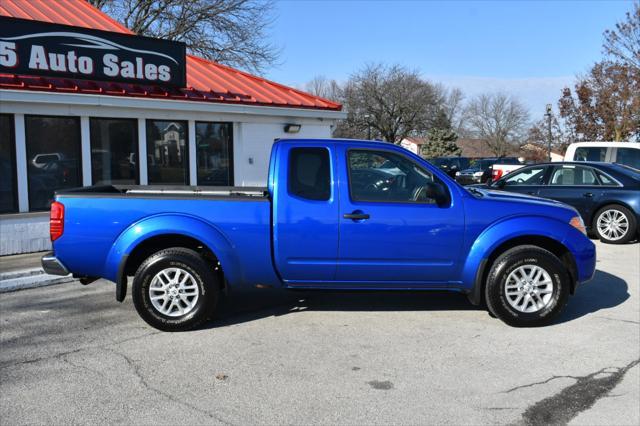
618, 209
206, 282
508, 262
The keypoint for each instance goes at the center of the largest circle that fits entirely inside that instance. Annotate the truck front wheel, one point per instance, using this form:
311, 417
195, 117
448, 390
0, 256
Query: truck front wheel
175, 290
527, 286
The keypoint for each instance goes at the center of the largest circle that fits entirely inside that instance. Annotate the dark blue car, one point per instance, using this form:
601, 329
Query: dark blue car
606, 195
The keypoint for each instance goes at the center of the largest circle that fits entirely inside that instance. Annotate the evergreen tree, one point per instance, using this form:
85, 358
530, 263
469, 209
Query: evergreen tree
441, 139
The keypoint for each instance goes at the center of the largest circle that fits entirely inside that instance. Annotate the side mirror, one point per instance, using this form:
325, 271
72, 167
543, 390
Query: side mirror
433, 191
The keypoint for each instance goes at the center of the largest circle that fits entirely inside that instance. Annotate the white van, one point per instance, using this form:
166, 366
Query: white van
627, 153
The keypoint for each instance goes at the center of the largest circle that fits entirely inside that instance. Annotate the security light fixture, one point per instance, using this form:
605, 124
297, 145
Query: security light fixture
292, 128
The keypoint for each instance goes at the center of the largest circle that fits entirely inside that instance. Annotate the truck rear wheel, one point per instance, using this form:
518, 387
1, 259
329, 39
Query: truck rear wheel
175, 290
527, 286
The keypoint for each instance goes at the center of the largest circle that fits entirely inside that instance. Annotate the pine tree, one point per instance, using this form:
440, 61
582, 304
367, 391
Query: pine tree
441, 139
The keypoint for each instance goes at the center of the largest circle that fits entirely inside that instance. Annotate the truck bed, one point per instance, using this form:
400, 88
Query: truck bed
119, 215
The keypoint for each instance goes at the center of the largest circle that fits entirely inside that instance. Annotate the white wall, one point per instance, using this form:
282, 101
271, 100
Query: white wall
252, 148
24, 233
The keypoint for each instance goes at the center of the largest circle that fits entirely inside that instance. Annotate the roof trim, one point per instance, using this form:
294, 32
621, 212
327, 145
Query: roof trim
164, 104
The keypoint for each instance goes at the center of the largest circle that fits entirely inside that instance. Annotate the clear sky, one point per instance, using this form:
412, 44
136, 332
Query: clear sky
531, 49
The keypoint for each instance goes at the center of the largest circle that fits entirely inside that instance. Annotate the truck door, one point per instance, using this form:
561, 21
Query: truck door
391, 231
305, 213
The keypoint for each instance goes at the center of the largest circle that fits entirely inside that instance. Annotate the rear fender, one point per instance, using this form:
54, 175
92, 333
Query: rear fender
172, 223
499, 233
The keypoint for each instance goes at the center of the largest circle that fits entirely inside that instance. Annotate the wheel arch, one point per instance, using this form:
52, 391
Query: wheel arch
150, 235
541, 232
557, 248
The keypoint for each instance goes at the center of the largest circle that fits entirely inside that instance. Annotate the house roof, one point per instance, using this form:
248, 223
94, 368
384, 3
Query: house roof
207, 81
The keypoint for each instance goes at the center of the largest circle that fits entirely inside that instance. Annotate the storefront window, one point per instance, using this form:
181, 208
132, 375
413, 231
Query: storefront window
8, 191
114, 148
53, 157
214, 142
167, 152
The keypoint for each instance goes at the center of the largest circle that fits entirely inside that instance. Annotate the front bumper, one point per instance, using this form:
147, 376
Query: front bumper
53, 266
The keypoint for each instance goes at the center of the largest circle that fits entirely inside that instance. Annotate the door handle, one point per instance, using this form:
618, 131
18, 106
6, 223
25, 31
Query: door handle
587, 194
356, 216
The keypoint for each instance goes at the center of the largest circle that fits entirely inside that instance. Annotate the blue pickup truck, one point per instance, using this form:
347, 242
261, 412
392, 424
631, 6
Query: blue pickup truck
336, 214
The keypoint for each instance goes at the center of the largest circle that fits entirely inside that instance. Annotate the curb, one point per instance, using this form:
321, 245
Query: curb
29, 278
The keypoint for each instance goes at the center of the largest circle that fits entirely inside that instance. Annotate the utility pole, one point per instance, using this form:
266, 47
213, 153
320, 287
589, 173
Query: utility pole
368, 118
548, 116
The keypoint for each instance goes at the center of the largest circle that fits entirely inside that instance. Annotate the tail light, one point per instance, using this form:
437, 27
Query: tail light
496, 174
56, 220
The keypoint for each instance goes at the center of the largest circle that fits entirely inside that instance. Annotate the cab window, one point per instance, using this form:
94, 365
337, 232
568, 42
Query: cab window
590, 153
310, 173
386, 176
629, 157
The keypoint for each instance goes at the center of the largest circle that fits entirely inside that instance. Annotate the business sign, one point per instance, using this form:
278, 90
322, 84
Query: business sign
40, 48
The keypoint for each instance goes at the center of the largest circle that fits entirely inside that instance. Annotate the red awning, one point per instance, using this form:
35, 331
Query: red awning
207, 81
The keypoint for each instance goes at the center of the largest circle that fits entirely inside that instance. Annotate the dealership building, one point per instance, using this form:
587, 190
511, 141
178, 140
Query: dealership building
84, 101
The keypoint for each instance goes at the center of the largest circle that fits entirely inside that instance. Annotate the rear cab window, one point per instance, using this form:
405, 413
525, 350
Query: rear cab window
590, 153
629, 157
310, 173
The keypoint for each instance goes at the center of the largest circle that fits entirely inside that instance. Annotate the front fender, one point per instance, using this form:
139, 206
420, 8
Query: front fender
172, 223
502, 231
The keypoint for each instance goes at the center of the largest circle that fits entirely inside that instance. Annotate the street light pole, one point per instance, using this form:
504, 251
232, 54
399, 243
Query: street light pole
548, 116
368, 118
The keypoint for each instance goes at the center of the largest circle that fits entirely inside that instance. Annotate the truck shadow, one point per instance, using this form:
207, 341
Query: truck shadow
603, 292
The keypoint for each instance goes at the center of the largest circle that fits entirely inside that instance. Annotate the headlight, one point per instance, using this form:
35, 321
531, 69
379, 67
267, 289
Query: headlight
577, 223
478, 174
457, 173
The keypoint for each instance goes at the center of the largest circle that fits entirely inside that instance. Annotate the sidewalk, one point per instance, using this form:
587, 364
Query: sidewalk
22, 271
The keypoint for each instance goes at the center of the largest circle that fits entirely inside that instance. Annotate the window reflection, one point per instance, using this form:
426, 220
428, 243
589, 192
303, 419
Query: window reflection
114, 147
53, 157
8, 196
167, 152
214, 143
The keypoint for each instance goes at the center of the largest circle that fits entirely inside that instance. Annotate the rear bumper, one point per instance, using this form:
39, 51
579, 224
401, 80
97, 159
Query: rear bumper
53, 266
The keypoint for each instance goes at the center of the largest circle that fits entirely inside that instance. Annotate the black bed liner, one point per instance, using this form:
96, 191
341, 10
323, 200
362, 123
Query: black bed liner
157, 191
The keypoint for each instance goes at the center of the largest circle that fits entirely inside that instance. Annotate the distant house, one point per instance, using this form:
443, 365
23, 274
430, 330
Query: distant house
537, 152
475, 148
413, 144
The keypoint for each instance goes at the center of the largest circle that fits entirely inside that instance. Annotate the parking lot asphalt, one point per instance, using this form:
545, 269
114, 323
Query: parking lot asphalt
72, 354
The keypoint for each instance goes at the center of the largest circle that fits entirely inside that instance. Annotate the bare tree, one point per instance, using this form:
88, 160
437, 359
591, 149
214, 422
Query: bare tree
499, 119
323, 87
390, 101
232, 32
453, 106
623, 42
